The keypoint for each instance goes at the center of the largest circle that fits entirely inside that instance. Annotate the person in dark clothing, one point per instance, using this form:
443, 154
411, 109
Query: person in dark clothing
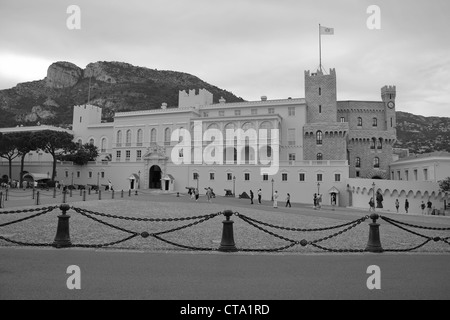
288, 201
406, 205
251, 196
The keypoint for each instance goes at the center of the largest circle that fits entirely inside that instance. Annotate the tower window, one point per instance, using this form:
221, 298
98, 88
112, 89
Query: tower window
375, 122
319, 136
380, 144
358, 162
319, 157
320, 91
376, 162
359, 122
342, 119
81, 119
320, 108
373, 143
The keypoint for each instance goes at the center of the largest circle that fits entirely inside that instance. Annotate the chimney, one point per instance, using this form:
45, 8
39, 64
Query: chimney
264, 98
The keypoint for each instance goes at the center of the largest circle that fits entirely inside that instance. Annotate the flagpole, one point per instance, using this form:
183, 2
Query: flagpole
320, 49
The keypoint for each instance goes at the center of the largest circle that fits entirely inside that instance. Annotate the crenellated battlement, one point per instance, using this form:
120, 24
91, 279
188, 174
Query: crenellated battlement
192, 99
320, 73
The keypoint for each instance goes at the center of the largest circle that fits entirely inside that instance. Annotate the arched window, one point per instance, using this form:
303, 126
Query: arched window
373, 143
359, 122
167, 135
91, 141
119, 138
80, 142
376, 162
128, 138
319, 157
319, 136
380, 143
358, 162
374, 122
153, 136
139, 138
103, 146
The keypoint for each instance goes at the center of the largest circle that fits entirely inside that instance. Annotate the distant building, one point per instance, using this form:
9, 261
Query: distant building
431, 167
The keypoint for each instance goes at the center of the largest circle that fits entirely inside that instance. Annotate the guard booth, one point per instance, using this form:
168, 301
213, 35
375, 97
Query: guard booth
134, 181
334, 197
168, 183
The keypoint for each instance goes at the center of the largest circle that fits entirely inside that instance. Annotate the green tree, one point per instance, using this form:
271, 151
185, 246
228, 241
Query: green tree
53, 142
8, 149
81, 155
24, 144
445, 185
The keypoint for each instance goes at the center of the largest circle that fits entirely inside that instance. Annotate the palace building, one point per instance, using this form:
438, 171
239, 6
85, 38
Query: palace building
322, 143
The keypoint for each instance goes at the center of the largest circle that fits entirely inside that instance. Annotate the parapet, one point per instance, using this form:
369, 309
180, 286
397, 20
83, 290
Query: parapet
192, 99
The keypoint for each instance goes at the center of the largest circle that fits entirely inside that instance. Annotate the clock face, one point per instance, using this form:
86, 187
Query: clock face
391, 104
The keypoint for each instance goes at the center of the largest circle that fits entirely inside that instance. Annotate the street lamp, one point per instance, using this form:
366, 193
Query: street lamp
272, 188
72, 178
98, 182
318, 188
198, 178
234, 186
139, 181
373, 186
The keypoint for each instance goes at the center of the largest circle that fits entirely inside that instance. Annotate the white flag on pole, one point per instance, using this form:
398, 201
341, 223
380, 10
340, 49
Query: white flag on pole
326, 31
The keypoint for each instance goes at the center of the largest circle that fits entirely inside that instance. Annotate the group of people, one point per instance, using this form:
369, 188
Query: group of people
275, 198
195, 194
426, 208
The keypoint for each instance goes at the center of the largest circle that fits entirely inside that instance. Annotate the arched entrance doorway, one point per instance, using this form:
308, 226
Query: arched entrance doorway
155, 177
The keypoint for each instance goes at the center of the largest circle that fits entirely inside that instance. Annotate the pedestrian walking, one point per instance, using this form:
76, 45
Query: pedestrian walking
315, 201
397, 204
208, 194
406, 205
288, 201
422, 206
251, 196
275, 199
429, 206
259, 196
319, 201
197, 195
371, 205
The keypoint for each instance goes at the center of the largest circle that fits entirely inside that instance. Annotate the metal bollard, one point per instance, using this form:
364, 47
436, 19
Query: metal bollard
89, 191
112, 194
374, 243
84, 195
1, 200
64, 196
121, 194
136, 193
54, 193
227, 244
6, 195
62, 239
37, 198
34, 191
99, 194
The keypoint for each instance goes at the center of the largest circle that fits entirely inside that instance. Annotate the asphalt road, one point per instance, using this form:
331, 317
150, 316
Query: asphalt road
41, 274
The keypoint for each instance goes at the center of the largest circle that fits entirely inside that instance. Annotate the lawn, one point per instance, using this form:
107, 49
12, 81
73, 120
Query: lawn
207, 234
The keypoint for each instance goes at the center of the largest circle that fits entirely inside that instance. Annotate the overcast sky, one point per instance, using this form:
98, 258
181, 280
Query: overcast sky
249, 47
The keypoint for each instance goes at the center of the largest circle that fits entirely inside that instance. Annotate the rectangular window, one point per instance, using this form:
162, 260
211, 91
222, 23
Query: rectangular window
406, 175
399, 176
67, 174
302, 177
229, 176
78, 174
425, 174
292, 157
337, 177
90, 174
357, 174
205, 114
415, 175
102, 175
284, 177
127, 155
271, 110
265, 177
211, 176
254, 112
195, 176
247, 177
291, 111
221, 113
342, 119
138, 154
320, 108
319, 177
237, 112
118, 155
291, 137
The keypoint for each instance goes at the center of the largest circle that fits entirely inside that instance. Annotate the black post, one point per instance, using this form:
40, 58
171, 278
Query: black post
84, 195
121, 194
70, 192
129, 193
136, 193
99, 194
34, 191
112, 194
54, 192
89, 191
62, 239
64, 196
227, 244
1, 200
37, 198
6, 194
374, 243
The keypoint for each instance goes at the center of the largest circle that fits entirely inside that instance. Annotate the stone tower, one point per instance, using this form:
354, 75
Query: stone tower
388, 94
324, 137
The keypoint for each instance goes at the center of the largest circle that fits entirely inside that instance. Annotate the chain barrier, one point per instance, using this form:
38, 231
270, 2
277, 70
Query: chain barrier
45, 211
304, 243
24, 211
428, 238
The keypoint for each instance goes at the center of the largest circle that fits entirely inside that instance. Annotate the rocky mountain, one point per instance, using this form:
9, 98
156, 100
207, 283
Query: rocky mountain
422, 134
114, 86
